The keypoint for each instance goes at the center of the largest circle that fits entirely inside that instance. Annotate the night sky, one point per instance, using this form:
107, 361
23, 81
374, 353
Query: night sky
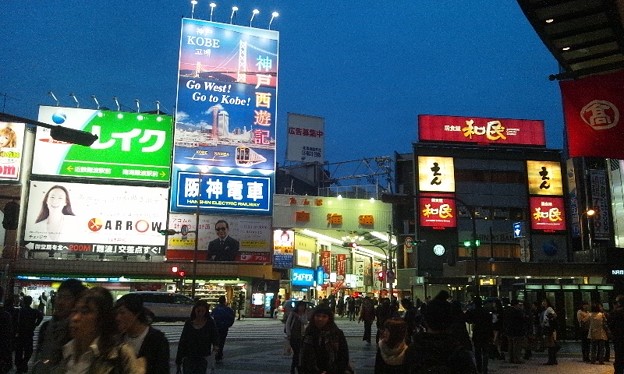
368, 67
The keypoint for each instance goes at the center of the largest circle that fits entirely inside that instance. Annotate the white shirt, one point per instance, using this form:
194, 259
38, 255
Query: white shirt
84, 361
136, 342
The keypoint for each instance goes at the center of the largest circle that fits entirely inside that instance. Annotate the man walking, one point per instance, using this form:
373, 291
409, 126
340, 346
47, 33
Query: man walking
582, 317
367, 314
26, 319
515, 329
224, 317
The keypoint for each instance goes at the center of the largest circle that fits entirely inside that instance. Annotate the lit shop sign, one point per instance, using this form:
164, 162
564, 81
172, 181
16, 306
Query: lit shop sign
227, 96
81, 216
11, 145
222, 192
130, 146
302, 277
491, 131
547, 213
436, 174
437, 212
544, 178
283, 241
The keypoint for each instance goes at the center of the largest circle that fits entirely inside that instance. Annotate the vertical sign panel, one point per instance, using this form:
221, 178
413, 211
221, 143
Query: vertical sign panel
227, 101
11, 144
436, 174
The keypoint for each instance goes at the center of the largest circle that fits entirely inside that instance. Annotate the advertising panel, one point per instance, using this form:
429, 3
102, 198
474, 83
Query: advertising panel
227, 96
475, 130
600, 202
436, 174
11, 145
283, 248
85, 217
221, 192
303, 258
306, 138
437, 212
252, 233
547, 213
302, 277
545, 178
130, 146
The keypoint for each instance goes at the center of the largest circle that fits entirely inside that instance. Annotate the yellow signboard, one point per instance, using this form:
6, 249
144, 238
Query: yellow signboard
544, 178
436, 174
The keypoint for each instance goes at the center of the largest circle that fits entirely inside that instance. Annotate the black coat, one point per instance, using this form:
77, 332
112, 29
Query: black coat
223, 252
155, 349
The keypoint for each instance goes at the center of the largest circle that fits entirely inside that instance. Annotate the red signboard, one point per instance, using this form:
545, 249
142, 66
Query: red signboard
547, 213
593, 109
326, 261
475, 130
341, 264
437, 212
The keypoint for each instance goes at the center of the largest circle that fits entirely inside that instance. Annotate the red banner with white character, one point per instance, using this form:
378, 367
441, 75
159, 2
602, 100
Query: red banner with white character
592, 108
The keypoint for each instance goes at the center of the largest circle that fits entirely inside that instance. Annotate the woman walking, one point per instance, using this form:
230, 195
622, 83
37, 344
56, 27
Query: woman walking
199, 337
390, 356
597, 334
324, 349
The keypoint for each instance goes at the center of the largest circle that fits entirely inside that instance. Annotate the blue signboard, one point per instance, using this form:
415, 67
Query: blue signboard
320, 275
283, 261
224, 193
302, 277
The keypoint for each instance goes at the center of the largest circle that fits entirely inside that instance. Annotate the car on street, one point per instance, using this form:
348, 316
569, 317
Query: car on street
167, 306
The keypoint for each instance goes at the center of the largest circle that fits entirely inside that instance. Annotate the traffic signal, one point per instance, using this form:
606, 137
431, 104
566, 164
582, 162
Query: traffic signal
468, 243
178, 271
381, 275
174, 269
349, 244
182, 273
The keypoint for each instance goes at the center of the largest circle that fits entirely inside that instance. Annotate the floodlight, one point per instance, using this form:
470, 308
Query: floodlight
75, 99
53, 97
212, 6
65, 134
273, 16
234, 10
193, 3
253, 14
97, 103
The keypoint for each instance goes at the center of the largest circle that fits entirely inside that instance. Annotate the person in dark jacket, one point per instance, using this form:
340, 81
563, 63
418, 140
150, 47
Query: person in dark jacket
514, 327
25, 319
324, 349
391, 350
616, 325
367, 315
133, 322
224, 317
199, 337
437, 346
6, 339
482, 334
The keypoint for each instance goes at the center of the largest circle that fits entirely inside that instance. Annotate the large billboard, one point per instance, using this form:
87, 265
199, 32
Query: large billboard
475, 130
437, 211
226, 104
306, 138
73, 217
130, 146
11, 145
253, 235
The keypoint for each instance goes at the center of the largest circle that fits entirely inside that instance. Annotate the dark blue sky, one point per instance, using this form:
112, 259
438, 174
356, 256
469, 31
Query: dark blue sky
368, 67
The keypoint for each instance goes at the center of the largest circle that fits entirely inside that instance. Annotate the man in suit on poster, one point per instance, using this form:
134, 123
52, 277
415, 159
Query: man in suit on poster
224, 248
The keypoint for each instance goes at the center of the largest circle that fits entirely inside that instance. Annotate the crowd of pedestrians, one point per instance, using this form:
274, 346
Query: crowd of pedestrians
91, 333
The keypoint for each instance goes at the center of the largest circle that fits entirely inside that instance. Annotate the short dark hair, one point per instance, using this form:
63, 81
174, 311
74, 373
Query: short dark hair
224, 222
74, 286
438, 315
134, 304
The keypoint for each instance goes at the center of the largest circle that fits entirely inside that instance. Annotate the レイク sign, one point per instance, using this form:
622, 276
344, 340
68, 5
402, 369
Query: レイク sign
491, 131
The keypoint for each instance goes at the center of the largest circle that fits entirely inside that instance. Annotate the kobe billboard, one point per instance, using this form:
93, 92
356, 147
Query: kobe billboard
130, 146
226, 102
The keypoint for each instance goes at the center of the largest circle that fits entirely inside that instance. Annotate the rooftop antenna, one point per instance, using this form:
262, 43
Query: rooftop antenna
138, 106
117, 103
53, 97
75, 99
97, 103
